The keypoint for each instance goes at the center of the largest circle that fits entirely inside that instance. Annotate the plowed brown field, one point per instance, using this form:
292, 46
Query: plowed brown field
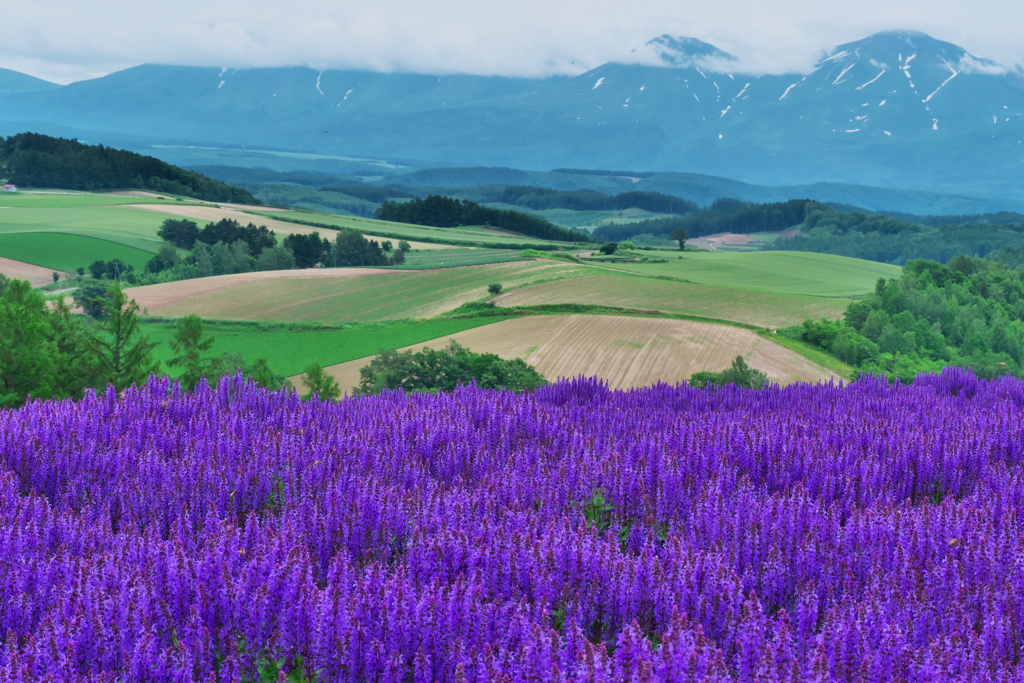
18, 270
212, 214
627, 352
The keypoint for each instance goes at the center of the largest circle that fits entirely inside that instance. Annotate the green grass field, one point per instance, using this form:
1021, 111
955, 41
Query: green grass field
783, 272
609, 288
66, 252
392, 296
289, 348
388, 230
450, 258
83, 215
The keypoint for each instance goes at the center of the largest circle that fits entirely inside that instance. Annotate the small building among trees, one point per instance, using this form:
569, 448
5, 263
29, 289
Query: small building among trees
10, 188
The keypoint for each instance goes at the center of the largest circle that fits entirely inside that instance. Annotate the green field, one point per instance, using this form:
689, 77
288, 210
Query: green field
289, 348
86, 216
450, 258
66, 252
609, 288
391, 296
386, 229
783, 272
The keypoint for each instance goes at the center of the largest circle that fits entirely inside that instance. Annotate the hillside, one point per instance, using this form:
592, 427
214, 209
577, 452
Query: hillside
34, 160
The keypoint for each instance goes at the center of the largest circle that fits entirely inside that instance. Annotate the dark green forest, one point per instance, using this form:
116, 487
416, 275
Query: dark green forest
34, 160
969, 313
891, 240
723, 215
446, 212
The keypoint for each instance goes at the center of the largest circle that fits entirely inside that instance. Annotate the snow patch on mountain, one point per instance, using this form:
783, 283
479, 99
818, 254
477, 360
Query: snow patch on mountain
861, 87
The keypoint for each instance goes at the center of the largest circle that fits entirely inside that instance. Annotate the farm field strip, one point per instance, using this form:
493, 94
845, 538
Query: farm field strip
371, 227
66, 252
288, 349
133, 229
19, 270
158, 298
783, 272
763, 309
627, 352
388, 295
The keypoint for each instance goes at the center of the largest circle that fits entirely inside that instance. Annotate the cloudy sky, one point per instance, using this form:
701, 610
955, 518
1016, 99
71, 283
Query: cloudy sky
68, 40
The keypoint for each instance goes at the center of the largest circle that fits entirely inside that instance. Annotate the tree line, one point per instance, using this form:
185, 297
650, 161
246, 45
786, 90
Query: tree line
723, 215
446, 212
46, 351
431, 371
889, 240
227, 247
969, 313
35, 160
541, 198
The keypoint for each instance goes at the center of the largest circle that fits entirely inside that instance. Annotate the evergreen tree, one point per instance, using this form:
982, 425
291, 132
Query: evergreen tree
122, 354
189, 345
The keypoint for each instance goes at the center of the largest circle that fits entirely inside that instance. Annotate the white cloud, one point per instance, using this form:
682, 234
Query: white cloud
972, 65
68, 39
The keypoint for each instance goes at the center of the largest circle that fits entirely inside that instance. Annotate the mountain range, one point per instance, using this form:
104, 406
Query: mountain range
896, 109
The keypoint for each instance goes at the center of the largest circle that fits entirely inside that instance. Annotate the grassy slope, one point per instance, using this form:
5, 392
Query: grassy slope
66, 252
449, 258
289, 348
370, 226
386, 297
96, 216
763, 309
784, 272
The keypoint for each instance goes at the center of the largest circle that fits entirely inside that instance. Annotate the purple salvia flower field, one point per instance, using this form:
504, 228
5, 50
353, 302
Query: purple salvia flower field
868, 533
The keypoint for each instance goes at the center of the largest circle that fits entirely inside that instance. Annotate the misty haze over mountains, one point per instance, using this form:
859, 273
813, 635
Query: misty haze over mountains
896, 109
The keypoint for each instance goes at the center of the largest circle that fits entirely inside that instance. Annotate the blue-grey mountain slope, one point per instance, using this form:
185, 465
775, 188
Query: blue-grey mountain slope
15, 82
897, 109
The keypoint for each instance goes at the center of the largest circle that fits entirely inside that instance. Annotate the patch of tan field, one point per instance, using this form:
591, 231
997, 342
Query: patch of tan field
153, 195
193, 295
627, 352
212, 214
19, 270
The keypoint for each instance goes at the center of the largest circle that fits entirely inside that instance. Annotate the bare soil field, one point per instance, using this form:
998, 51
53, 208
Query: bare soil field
168, 298
213, 214
627, 352
18, 270
731, 239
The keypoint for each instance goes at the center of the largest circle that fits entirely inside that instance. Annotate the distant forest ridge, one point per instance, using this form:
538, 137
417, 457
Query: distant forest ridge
34, 160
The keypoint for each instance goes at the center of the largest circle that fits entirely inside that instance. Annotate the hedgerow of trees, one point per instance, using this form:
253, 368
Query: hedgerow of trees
446, 212
34, 160
227, 247
433, 370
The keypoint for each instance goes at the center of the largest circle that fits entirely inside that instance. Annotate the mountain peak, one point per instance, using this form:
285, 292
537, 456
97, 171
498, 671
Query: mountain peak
685, 52
895, 48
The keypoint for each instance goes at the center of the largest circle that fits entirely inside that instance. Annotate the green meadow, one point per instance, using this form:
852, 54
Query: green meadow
783, 272
65, 252
289, 348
